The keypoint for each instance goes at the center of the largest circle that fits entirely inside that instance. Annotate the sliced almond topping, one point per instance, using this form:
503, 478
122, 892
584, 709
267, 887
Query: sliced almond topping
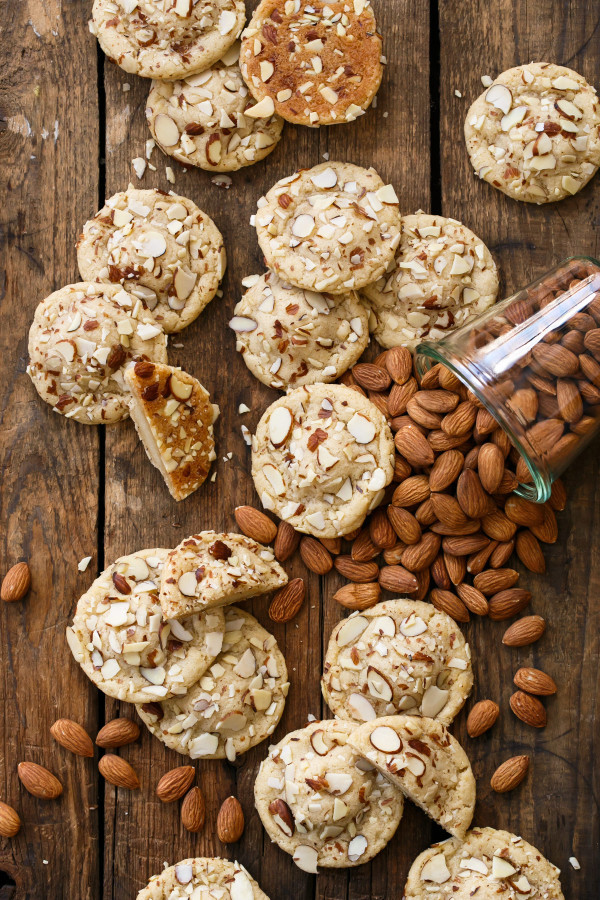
166, 130
280, 425
351, 629
386, 739
500, 97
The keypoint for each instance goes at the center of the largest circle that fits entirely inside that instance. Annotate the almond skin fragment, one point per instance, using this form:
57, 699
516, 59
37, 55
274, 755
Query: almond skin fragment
534, 681
193, 810
118, 733
509, 774
16, 583
73, 737
230, 821
482, 717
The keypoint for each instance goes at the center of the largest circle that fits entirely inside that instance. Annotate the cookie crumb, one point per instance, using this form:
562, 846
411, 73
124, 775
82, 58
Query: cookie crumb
242, 408
486, 80
139, 165
84, 563
170, 174
575, 863
457, 93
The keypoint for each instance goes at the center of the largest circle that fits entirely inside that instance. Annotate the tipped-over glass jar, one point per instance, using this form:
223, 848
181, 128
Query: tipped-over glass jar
533, 361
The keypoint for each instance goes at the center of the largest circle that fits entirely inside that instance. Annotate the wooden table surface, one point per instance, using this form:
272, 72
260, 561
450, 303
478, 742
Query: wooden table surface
70, 124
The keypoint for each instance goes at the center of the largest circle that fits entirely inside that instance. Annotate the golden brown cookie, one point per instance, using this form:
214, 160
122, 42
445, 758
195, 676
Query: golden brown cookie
313, 63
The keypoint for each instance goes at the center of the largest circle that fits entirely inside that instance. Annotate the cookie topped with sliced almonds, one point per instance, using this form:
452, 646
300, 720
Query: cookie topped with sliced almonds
332, 228
214, 569
425, 762
80, 341
288, 336
314, 63
211, 120
202, 878
487, 864
235, 705
167, 40
322, 456
174, 419
442, 277
400, 656
161, 248
124, 645
535, 133
321, 802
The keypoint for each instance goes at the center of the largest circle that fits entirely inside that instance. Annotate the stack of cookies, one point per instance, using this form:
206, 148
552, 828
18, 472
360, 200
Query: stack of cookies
157, 629
150, 262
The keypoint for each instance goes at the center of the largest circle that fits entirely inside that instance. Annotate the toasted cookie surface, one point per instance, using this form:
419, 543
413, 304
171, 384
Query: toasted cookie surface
442, 277
331, 228
123, 644
289, 336
399, 656
207, 120
535, 133
322, 456
425, 762
214, 569
235, 705
168, 41
174, 419
314, 63
205, 879
81, 338
323, 804
488, 864
163, 250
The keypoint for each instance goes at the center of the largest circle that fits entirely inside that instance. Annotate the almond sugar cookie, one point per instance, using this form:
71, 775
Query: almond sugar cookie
202, 878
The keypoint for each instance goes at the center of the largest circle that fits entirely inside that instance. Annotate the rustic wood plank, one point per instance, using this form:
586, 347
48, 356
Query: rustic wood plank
556, 808
49, 178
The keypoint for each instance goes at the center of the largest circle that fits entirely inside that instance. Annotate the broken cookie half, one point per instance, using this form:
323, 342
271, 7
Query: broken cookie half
174, 419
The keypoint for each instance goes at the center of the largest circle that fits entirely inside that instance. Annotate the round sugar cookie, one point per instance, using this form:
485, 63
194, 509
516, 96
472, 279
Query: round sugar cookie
315, 62
535, 133
123, 644
332, 228
425, 762
288, 336
322, 456
161, 248
443, 276
400, 656
488, 864
235, 705
205, 879
208, 119
166, 40
81, 338
323, 804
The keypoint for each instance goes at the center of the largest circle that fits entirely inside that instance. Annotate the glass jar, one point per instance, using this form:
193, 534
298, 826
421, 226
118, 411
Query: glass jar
533, 361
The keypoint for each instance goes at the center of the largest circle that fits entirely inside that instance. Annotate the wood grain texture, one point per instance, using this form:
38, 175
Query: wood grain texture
50, 467
99, 490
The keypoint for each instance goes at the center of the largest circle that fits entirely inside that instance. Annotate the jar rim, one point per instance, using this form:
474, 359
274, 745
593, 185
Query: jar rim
541, 488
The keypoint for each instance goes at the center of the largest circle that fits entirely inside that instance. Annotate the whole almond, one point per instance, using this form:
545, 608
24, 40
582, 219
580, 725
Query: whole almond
508, 603
509, 774
501, 554
423, 582
439, 573
371, 377
413, 446
568, 398
411, 491
193, 810
363, 549
421, 416
117, 771
405, 525
528, 709
473, 599
590, 368
448, 380
591, 341
492, 581
334, 545
287, 601
547, 530
399, 363
485, 423
471, 495
482, 717
456, 567
398, 580
466, 544
477, 561
556, 359
230, 821
529, 551
315, 557
380, 530
498, 526
446, 470
448, 510
358, 596
400, 396
16, 583
393, 556
545, 434
361, 572
523, 511
534, 681
524, 631
438, 401
73, 737
118, 733
461, 421
10, 822
451, 604
490, 467
420, 555
425, 514
524, 404
441, 441
39, 781
255, 524
430, 379
286, 541
175, 783
558, 496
